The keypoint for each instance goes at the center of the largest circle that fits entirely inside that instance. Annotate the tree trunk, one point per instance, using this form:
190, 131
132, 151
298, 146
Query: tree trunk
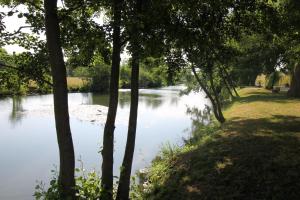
228, 88
226, 82
220, 118
230, 82
219, 115
273, 80
60, 93
294, 90
236, 93
108, 135
124, 182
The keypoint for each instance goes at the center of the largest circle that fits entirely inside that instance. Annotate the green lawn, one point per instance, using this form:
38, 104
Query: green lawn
254, 155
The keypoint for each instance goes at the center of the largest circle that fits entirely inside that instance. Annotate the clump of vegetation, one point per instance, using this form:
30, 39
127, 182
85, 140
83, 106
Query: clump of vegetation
153, 74
88, 186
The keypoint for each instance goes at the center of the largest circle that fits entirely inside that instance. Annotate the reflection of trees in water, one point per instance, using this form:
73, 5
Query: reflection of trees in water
153, 101
124, 99
100, 99
87, 98
174, 100
200, 118
17, 110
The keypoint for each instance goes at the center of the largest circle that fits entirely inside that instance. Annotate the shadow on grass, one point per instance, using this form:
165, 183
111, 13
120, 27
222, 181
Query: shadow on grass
278, 124
265, 97
246, 166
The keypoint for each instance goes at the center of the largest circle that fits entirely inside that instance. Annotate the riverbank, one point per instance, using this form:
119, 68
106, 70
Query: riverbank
254, 155
75, 84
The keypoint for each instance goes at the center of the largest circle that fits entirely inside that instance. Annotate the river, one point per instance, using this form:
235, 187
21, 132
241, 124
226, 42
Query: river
28, 146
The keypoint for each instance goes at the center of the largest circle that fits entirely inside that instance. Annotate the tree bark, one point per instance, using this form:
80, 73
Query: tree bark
294, 90
60, 94
124, 182
108, 135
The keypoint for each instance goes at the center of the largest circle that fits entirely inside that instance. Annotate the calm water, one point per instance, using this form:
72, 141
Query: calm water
28, 147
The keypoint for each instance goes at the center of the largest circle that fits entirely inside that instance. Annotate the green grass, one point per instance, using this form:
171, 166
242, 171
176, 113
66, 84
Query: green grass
254, 155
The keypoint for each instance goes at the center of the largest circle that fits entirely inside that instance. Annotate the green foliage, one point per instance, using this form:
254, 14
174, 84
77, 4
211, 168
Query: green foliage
41, 193
100, 74
22, 73
153, 73
88, 186
125, 75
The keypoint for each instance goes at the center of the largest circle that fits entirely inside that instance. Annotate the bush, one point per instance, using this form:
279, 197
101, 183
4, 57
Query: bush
88, 186
150, 75
94, 78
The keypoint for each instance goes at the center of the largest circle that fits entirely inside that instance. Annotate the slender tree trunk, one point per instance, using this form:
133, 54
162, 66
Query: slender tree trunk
226, 82
60, 93
294, 90
124, 182
218, 104
228, 88
219, 116
108, 136
236, 93
230, 81
274, 79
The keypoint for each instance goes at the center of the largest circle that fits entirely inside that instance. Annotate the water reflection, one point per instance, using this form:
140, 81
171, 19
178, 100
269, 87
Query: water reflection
16, 114
162, 118
150, 99
199, 118
124, 99
99, 99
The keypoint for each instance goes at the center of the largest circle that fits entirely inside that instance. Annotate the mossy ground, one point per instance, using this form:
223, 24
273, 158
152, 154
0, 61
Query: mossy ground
254, 155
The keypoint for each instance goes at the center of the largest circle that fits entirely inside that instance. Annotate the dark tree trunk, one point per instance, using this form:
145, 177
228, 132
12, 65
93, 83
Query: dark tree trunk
236, 93
294, 90
273, 80
60, 93
226, 82
217, 100
124, 182
215, 106
228, 88
230, 82
108, 136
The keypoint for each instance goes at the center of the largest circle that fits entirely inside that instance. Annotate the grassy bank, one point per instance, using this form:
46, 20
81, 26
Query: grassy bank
254, 155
